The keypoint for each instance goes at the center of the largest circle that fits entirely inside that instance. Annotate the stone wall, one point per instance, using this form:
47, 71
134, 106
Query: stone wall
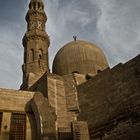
14, 101
45, 116
6, 117
110, 102
62, 96
79, 78
80, 130
56, 98
71, 93
40, 85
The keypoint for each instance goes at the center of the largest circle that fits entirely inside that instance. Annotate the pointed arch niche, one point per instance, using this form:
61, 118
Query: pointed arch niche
40, 54
31, 55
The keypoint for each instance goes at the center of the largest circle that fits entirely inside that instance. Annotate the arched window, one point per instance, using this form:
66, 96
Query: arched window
40, 54
34, 5
31, 55
39, 6
40, 58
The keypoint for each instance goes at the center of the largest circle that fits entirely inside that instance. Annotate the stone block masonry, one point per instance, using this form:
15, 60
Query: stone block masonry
110, 102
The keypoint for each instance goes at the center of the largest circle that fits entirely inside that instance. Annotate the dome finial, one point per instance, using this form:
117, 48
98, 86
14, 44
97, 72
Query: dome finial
75, 37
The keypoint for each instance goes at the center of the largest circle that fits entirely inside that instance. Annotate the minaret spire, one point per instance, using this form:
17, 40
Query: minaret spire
36, 43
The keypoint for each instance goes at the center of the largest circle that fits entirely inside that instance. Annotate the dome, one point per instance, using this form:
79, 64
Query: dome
81, 57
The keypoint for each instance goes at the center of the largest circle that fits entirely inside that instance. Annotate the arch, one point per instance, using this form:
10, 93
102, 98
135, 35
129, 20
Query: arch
38, 5
31, 55
40, 58
40, 54
34, 5
42, 119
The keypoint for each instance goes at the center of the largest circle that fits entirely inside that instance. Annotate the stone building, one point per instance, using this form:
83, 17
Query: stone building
82, 99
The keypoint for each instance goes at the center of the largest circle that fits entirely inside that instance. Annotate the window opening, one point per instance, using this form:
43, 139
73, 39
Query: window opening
40, 53
31, 55
18, 127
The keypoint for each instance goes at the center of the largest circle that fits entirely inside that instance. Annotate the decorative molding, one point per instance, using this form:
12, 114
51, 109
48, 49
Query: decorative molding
29, 37
38, 14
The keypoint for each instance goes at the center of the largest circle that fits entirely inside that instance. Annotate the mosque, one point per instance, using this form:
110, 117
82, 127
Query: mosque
81, 99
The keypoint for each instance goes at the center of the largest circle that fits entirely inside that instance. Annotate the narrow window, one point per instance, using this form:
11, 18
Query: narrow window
38, 5
40, 54
18, 127
31, 55
34, 5
40, 58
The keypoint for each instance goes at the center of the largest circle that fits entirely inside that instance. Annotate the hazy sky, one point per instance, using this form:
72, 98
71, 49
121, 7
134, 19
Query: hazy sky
113, 25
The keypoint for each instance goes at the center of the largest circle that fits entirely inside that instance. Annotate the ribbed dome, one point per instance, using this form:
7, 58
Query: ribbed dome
79, 56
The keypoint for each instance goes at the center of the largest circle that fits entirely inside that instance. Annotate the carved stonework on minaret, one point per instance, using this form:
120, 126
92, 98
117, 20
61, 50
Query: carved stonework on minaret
36, 43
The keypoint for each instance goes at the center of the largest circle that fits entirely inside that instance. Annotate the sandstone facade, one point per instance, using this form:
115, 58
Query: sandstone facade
100, 104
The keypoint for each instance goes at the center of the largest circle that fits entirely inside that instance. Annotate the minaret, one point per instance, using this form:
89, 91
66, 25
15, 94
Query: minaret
36, 43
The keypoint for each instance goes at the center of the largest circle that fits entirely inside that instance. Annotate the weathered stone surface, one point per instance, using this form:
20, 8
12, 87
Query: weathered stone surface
111, 99
14, 100
5, 122
79, 78
80, 130
57, 99
71, 93
40, 85
107, 102
44, 115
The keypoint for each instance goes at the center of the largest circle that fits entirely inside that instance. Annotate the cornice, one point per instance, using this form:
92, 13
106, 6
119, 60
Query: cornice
35, 36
